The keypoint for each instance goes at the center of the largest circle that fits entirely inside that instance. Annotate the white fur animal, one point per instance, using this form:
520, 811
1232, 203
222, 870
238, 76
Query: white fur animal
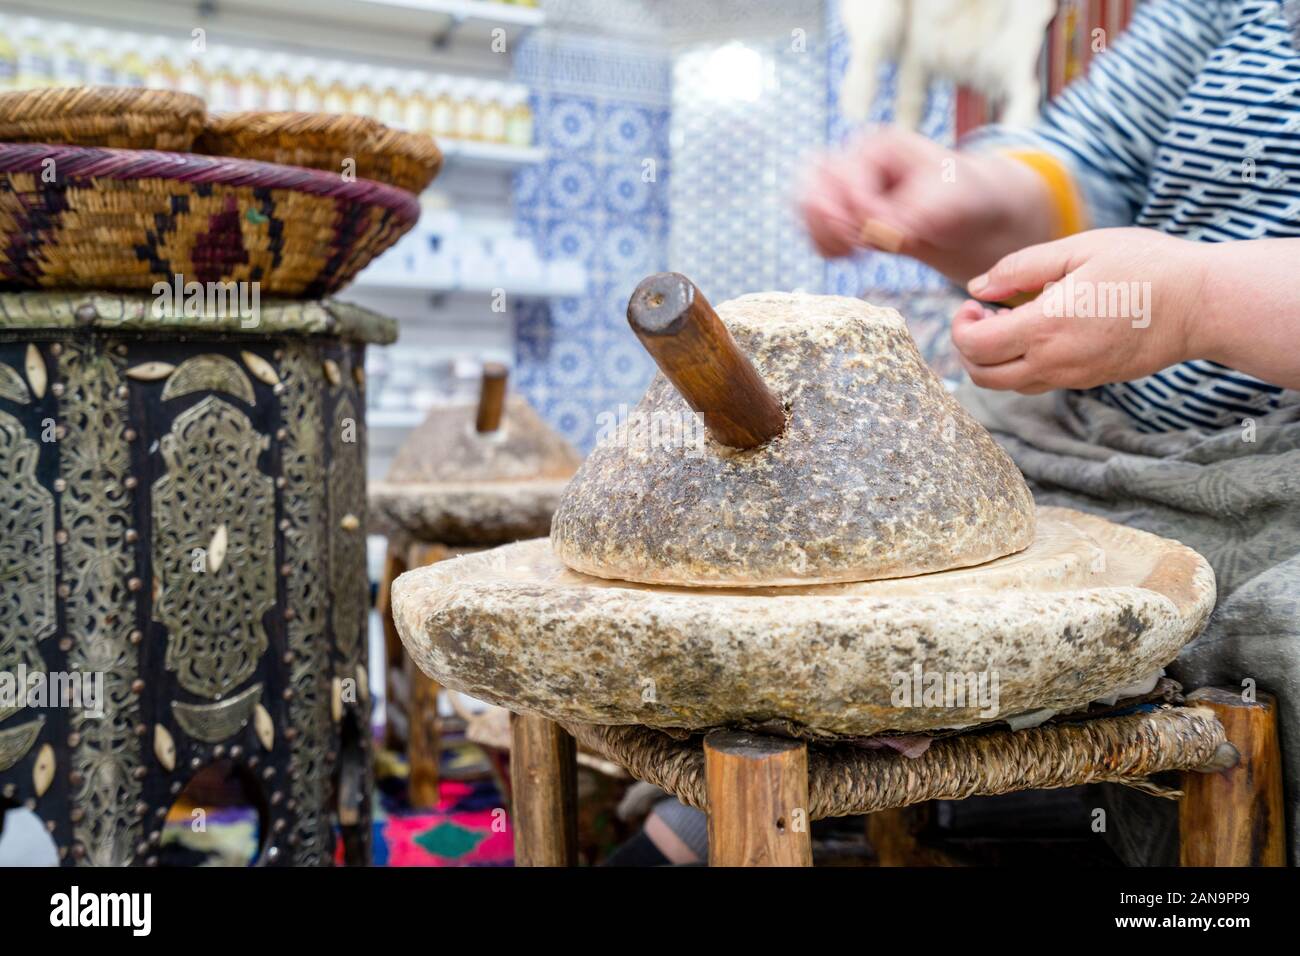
989, 45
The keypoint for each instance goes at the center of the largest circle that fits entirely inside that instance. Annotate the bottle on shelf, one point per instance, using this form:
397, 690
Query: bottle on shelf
252, 83
492, 122
308, 95
223, 85
362, 98
279, 83
519, 118
335, 98
131, 68
154, 57
465, 93
388, 107
415, 104
8, 57
191, 71
70, 67
442, 109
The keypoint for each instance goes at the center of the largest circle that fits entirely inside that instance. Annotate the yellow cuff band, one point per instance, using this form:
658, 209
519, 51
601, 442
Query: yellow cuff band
1066, 202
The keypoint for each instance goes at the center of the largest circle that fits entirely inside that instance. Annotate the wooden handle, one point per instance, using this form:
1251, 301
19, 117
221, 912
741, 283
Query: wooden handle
697, 354
491, 397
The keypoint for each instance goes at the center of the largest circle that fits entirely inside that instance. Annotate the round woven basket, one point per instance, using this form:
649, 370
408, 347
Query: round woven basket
120, 117
325, 141
74, 217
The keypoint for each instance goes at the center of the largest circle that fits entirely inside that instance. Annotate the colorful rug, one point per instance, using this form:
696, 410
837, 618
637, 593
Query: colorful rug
469, 826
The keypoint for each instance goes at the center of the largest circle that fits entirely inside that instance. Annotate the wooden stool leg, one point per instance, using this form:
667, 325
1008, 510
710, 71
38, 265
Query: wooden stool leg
1234, 817
895, 835
544, 792
424, 741
758, 800
424, 746
394, 566
892, 834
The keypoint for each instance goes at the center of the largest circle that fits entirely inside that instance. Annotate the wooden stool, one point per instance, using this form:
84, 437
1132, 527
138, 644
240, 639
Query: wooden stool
470, 476
808, 627
762, 793
423, 745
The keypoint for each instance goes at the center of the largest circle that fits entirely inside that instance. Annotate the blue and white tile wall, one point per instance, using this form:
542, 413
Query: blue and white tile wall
612, 114
601, 108
747, 117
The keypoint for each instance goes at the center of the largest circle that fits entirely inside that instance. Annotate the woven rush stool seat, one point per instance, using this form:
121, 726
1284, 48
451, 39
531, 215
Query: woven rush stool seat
761, 792
845, 779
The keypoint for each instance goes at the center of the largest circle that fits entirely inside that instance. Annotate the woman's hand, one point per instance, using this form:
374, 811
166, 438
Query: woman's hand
1118, 304
899, 192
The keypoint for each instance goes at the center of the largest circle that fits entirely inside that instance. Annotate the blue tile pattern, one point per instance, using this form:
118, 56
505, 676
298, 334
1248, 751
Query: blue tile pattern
612, 112
601, 109
739, 154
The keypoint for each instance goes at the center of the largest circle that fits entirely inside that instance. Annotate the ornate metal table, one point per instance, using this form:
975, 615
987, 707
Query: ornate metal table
182, 510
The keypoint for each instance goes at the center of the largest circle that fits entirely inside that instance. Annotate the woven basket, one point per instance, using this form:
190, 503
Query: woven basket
325, 141
115, 116
126, 219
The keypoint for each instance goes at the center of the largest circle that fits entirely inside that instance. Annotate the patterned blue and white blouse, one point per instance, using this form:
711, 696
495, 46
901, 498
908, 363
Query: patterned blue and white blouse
1189, 124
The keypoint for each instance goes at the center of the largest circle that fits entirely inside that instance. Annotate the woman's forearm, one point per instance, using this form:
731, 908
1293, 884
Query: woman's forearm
1249, 318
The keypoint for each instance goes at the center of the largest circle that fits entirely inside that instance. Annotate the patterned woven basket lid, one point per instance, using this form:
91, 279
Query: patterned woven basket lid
116, 116
128, 219
325, 141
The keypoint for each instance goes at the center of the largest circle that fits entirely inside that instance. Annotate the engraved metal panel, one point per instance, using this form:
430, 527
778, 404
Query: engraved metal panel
213, 491
12, 385
203, 373
27, 609
213, 723
16, 741
303, 461
347, 542
186, 491
98, 562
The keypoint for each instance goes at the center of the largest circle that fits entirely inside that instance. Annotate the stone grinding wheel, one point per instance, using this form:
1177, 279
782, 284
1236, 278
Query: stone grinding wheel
876, 472
1087, 608
475, 475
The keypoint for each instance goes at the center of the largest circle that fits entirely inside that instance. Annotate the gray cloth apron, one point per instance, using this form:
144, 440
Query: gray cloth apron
1234, 496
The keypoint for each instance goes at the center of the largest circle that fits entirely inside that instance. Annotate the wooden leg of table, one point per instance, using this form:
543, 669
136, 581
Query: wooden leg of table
758, 800
544, 792
895, 835
891, 835
499, 765
1234, 817
424, 741
394, 565
424, 747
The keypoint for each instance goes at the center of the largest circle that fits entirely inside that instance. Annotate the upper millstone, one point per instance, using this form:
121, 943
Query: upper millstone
879, 473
